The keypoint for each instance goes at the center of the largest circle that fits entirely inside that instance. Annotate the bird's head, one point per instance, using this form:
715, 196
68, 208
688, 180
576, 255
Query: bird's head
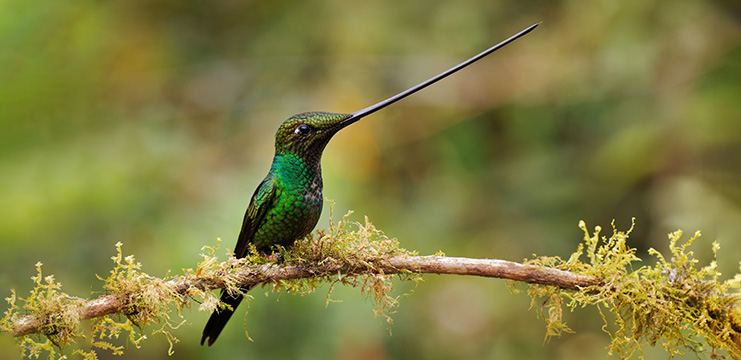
306, 134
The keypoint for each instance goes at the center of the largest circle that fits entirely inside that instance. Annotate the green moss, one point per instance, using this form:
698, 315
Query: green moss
359, 247
56, 312
362, 250
673, 304
144, 300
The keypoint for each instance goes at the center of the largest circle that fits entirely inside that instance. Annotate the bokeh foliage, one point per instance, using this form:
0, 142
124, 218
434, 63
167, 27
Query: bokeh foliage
151, 123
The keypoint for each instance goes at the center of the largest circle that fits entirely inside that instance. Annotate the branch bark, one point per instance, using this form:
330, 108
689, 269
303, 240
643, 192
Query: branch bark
267, 273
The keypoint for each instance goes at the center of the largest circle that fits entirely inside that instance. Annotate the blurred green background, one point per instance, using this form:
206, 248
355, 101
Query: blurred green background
152, 122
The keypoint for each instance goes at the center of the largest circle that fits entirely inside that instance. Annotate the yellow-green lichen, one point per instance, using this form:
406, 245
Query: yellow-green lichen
673, 303
359, 251
56, 313
143, 300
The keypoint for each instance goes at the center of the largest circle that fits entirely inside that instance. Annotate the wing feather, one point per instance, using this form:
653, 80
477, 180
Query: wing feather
259, 204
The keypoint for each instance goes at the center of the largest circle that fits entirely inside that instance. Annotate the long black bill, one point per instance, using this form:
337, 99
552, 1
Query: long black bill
378, 106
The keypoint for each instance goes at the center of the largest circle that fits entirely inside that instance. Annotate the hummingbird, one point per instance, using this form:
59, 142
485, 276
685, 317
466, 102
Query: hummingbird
288, 202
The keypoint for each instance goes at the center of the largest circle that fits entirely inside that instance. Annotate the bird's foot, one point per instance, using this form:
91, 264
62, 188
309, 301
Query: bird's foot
275, 256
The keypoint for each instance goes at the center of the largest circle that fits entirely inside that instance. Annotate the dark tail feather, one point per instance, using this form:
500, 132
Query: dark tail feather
220, 317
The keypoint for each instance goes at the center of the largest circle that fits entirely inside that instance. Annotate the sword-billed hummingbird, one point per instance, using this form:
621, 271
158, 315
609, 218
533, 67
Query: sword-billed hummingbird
287, 203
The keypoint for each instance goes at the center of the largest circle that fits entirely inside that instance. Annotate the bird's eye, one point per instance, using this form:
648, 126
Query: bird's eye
303, 129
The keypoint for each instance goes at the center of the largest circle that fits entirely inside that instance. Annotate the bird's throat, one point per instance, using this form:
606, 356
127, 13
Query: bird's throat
295, 172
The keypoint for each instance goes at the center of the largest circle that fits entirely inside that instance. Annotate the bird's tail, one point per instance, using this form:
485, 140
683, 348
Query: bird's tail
220, 317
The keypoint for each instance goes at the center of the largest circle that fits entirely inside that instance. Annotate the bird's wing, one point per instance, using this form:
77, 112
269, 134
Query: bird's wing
261, 201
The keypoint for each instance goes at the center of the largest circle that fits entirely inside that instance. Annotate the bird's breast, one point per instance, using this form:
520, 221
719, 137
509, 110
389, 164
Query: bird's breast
296, 207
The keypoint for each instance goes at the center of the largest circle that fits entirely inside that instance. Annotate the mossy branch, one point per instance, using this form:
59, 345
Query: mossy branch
327, 268
674, 303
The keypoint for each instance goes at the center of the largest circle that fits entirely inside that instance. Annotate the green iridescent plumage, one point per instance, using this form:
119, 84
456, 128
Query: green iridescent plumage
287, 204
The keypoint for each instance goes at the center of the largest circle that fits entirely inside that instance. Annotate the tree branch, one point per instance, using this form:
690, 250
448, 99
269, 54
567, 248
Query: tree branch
270, 273
671, 303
